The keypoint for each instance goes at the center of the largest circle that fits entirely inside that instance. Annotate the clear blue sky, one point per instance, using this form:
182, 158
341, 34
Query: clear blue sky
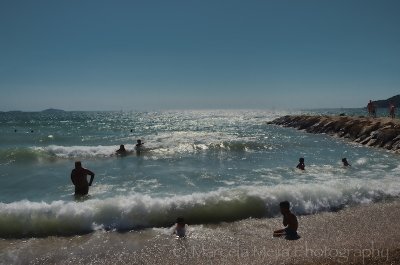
167, 54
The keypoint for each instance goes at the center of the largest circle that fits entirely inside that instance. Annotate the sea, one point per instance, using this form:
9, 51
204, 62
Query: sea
209, 166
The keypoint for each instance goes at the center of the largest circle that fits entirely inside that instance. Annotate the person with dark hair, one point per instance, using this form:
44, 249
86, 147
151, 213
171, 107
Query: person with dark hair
392, 110
180, 227
289, 221
79, 179
301, 164
139, 146
345, 163
121, 151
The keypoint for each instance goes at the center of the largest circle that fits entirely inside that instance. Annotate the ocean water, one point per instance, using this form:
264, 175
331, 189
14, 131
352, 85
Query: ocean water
208, 166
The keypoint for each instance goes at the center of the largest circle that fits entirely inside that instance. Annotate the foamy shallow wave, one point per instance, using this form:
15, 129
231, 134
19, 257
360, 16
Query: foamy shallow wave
26, 218
80, 151
32, 154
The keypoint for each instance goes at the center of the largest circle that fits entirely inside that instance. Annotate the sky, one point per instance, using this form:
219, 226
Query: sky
203, 54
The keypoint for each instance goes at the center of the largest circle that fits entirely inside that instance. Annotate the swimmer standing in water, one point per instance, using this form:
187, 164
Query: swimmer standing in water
301, 164
345, 163
79, 179
121, 151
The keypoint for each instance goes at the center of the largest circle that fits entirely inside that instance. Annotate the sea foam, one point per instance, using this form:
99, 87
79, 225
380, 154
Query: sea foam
136, 211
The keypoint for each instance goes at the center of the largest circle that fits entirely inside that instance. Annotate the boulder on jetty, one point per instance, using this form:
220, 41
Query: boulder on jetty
376, 132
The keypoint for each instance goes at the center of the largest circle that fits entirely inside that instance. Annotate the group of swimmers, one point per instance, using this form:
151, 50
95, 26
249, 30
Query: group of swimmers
289, 219
79, 173
302, 166
79, 179
138, 147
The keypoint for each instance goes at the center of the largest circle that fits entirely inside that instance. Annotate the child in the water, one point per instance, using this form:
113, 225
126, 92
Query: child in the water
301, 164
345, 163
180, 227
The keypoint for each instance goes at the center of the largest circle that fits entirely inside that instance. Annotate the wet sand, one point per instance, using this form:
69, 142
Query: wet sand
366, 234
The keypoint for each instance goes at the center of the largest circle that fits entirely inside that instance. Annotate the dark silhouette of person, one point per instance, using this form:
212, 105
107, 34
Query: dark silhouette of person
121, 150
139, 144
392, 110
180, 227
301, 164
79, 179
371, 109
289, 221
345, 163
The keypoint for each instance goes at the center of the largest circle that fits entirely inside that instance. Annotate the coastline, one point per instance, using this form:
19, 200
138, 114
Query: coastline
363, 234
379, 132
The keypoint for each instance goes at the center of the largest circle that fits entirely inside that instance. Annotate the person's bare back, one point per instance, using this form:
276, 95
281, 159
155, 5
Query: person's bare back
289, 221
79, 179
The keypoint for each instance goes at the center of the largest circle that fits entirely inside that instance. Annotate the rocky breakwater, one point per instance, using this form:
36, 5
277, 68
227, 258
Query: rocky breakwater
376, 132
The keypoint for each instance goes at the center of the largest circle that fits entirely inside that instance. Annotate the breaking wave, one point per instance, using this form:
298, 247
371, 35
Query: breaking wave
136, 211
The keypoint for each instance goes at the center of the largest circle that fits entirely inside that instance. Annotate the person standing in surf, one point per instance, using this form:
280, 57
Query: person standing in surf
301, 165
121, 151
345, 163
139, 146
79, 179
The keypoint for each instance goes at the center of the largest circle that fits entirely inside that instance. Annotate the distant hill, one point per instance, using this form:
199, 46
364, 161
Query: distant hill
53, 110
14, 111
385, 103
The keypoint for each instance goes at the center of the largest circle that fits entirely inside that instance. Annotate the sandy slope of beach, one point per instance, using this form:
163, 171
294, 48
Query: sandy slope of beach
367, 234
377, 132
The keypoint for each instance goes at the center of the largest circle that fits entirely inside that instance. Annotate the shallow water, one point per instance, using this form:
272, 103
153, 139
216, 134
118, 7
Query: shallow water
209, 166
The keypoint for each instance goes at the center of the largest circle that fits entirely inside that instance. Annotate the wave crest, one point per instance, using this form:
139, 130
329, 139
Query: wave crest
25, 218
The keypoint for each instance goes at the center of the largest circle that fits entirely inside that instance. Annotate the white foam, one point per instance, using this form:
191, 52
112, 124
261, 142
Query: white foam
167, 143
193, 131
361, 161
80, 151
27, 218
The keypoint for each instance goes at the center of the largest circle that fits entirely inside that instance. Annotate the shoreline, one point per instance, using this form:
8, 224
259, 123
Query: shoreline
379, 132
354, 234
341, 237
363, 234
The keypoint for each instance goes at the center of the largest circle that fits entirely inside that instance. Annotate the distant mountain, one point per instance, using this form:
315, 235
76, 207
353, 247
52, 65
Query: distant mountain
385, 103
14, 111
53, 110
